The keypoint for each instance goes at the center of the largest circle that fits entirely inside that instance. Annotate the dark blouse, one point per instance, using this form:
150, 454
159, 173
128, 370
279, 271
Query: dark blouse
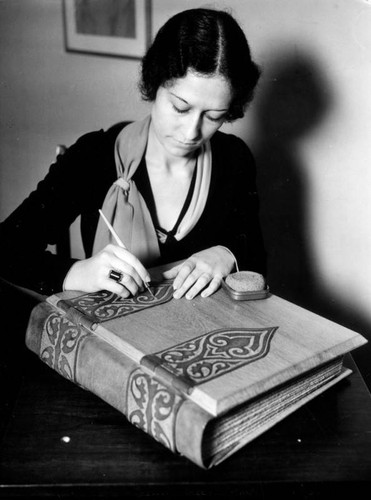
77, 183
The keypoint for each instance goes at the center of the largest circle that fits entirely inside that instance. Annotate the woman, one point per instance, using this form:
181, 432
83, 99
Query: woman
172, 185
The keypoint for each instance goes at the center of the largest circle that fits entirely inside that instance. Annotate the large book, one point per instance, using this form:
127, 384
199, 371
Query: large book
203, 377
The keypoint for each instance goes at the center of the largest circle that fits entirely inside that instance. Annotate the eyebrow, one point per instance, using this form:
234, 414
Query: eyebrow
186, 102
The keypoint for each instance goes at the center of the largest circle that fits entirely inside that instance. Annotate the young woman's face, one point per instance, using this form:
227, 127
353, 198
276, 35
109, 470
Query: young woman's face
189, 111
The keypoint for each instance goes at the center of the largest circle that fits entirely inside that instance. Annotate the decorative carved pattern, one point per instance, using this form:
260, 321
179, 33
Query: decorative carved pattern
59, 344
216, 353
105, 305
152, 407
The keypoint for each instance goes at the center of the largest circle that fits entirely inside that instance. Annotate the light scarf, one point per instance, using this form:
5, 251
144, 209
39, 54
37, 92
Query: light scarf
125, 208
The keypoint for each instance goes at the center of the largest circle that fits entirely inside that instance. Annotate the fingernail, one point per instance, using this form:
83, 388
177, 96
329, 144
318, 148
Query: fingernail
176, 295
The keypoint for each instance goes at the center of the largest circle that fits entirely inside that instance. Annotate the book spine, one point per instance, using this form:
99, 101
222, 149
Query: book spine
66, 342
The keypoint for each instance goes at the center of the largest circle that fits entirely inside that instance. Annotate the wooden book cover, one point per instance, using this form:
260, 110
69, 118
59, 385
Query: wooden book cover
203, 377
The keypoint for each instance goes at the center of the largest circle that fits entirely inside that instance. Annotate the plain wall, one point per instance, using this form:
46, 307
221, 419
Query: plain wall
309, 129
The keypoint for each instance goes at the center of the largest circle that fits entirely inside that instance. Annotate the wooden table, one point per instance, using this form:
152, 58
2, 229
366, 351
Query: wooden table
59, 441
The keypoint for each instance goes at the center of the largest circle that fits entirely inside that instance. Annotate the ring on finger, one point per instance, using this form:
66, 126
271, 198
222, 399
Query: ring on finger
115, 275
118, 276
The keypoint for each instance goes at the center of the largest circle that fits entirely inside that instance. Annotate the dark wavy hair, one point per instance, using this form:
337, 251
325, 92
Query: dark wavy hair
208, 42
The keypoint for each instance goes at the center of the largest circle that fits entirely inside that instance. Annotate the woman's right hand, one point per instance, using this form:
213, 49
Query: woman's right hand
92, 275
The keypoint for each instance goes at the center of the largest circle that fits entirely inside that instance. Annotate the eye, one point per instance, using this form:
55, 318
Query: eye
179, 110
215, 119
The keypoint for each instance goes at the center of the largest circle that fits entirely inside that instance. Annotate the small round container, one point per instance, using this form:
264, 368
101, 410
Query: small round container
245, 295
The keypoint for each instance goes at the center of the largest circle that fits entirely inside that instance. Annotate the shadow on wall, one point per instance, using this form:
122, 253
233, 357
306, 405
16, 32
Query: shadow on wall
295, 100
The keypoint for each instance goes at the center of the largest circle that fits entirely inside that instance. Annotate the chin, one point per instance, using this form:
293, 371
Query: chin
179, 151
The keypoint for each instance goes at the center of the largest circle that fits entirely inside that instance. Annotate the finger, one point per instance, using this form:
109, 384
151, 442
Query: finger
130, 278
213, 286
171, 273
123, 279
183, 274
118, 289
186, 285
141, 274
123, 282
200, 284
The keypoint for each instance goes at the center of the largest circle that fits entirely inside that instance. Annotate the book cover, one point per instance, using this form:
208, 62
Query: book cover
203, 377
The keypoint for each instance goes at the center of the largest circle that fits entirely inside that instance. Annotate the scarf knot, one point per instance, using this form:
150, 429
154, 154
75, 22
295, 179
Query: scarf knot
123, 184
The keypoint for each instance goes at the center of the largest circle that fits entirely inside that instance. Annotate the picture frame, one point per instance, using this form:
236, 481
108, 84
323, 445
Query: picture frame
120, 28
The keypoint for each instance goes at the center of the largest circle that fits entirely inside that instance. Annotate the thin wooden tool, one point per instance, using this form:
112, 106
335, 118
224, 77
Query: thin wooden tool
120, 243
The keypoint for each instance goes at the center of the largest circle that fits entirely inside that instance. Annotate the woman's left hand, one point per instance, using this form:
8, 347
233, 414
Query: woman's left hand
202, 272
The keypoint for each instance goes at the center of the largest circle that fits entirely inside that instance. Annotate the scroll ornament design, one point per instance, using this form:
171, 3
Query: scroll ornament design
60, 340
216, 353
104, 305
153, 407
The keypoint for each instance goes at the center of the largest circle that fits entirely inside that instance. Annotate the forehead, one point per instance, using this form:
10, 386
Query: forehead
207, 92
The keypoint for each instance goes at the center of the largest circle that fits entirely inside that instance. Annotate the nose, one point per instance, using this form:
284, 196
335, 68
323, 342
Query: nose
192, 128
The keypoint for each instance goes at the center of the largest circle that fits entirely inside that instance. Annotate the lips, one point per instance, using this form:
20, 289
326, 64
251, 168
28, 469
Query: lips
187, 144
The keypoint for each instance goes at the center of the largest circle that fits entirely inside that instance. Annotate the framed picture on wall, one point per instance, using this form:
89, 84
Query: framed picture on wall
108, 27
